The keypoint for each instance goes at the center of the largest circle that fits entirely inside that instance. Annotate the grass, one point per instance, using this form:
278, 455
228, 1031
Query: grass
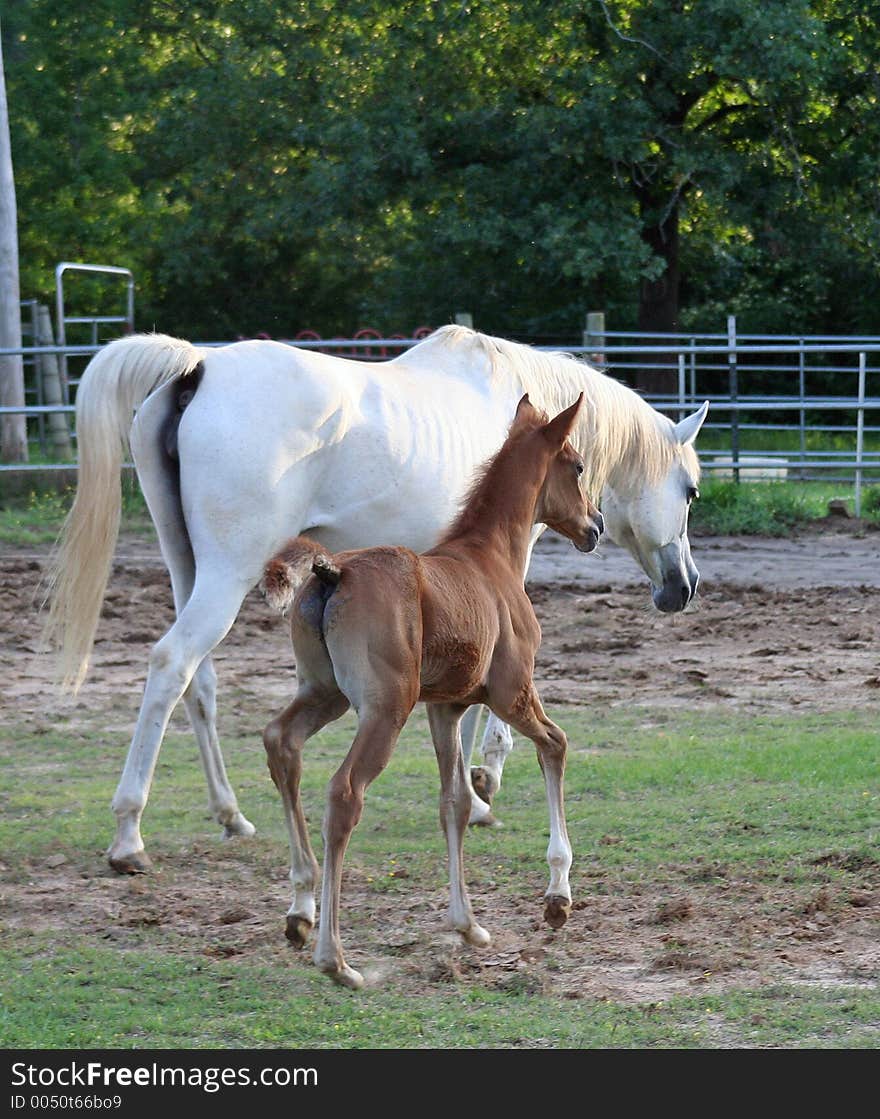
722, 798
35, 516
770, 508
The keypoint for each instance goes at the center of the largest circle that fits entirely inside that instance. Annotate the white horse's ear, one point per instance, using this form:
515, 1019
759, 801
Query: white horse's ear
686, 430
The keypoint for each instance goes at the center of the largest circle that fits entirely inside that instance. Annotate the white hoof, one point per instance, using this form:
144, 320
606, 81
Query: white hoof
345, 976
477, 936
481, 815
238, 827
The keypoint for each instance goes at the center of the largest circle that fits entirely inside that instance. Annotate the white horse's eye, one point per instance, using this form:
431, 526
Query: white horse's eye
692, 494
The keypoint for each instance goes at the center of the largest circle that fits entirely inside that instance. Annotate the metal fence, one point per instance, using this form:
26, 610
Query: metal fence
819, 396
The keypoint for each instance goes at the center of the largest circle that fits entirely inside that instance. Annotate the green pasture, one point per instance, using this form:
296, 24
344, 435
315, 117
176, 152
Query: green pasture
664, 799
772, 508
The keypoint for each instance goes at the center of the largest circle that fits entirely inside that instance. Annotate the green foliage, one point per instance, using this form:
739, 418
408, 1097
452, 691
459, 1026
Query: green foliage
35, 516
272, 167
766, 508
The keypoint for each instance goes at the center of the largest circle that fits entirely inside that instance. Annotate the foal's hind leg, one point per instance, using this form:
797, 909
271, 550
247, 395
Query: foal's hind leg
284, 739
529, 718
377, 734
455, 800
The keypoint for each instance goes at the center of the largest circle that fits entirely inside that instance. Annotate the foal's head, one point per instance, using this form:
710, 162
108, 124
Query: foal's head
562, 503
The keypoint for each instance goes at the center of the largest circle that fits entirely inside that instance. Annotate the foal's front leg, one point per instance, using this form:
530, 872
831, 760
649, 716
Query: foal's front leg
485, 779
455, 802
530, 719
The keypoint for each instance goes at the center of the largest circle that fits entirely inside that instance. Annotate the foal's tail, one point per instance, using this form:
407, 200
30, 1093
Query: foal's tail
287, 569
118, 380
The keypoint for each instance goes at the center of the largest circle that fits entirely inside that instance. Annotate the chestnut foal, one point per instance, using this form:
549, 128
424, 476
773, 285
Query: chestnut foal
382, 628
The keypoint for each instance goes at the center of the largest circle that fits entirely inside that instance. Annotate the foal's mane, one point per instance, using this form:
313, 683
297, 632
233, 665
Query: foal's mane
616, 430
486, 488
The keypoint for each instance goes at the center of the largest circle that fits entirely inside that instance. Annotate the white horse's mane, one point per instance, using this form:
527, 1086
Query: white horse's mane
617, 431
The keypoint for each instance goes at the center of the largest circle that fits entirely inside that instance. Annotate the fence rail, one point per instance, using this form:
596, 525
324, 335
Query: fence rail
820, 396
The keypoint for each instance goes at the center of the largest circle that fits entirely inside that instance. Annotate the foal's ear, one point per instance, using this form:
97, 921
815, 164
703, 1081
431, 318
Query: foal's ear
559, 428
526, 412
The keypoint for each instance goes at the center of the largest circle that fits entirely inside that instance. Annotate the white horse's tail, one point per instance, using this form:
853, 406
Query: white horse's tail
117, 381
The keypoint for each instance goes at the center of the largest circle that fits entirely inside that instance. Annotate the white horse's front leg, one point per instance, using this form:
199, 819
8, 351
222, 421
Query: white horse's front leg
480, 811
497, 744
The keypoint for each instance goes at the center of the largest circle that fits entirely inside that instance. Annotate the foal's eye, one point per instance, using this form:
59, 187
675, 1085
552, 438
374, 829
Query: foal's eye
579, 467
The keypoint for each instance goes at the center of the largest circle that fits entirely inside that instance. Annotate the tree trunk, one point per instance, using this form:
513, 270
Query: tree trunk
658, 299
13, 427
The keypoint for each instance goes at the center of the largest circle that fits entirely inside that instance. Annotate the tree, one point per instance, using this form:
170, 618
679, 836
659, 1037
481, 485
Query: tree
13, 427
390, 162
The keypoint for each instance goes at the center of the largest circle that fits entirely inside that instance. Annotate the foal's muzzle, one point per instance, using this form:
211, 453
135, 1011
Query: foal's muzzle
591, 537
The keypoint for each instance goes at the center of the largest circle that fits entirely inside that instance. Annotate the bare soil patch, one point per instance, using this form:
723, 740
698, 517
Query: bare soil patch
779, 624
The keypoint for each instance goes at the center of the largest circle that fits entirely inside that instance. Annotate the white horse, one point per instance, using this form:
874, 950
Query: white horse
240, 447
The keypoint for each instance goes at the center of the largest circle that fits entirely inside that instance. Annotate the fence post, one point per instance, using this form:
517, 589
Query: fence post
734, 394
682, 391
860, 433
693, 369
53, 391
594, 335
802, 389
464, 318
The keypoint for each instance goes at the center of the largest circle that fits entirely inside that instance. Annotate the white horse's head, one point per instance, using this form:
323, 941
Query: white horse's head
650, 519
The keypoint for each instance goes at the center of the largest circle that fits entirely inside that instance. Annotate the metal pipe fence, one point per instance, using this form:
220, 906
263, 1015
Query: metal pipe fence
803, 408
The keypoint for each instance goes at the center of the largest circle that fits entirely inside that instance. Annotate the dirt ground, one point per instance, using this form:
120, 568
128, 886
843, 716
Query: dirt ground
778, 624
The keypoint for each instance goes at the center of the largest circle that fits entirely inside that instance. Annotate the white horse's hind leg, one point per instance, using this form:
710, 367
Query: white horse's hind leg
203, 623
159, 480
200, 699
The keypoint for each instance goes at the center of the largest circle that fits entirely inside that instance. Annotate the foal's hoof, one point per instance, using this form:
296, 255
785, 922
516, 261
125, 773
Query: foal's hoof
238, 828
477, 936
138, 862
345, 976
556, 910
484, 782
297, 930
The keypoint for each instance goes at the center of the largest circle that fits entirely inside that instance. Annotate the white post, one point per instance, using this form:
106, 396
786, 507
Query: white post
693, 367
734, 394
594, 336
802, 389
53, 392
860, 434
682, 391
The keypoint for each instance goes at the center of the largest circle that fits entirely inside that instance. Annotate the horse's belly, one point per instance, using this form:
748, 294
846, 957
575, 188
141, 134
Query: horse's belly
453, 671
